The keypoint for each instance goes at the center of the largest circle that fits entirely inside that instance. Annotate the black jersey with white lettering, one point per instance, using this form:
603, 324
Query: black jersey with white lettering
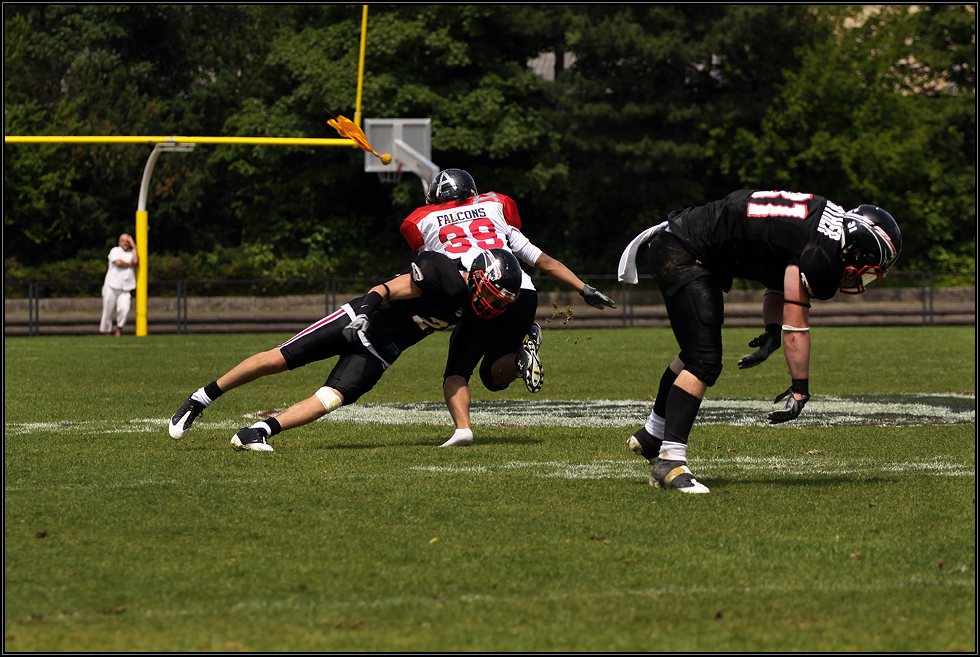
397, 325
756, 234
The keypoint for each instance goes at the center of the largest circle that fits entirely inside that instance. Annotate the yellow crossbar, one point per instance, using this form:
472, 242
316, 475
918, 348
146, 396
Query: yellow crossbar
173, 139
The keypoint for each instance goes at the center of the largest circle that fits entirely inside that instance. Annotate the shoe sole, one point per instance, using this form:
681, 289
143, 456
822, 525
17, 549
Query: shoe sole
534, 370
251, 447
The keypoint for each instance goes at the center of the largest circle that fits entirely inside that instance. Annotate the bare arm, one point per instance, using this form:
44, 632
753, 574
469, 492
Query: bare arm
400, 287
772, 307
559, 272
796, 343
125, 242
563, 274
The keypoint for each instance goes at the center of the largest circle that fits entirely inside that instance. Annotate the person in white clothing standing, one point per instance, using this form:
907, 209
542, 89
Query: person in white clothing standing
461, 223
120, 281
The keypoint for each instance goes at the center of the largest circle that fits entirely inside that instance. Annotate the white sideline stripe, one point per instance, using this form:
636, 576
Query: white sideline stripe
915, 582
822, 411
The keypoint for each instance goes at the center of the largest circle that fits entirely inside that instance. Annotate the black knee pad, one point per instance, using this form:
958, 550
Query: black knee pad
487, 377
706, 371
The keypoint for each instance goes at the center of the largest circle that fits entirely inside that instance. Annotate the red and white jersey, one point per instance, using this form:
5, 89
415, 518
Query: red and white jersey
462, 231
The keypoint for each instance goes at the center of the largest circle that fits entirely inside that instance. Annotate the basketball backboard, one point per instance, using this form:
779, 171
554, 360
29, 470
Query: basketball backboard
409, 141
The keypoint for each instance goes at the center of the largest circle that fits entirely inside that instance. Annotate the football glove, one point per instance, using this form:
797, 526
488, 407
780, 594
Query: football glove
791, 410
358, 325
767, 343
595, 298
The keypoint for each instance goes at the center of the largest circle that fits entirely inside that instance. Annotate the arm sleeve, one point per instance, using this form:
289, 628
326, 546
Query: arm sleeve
522, 247
410, 231
511, 215
819, 272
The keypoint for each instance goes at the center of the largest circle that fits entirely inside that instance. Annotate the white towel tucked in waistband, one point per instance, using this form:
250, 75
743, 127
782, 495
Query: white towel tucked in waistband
627, 262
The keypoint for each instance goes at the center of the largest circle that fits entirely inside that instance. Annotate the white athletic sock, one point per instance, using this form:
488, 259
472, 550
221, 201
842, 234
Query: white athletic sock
673, 451
262, 426
202, 397
460, 437
655, 426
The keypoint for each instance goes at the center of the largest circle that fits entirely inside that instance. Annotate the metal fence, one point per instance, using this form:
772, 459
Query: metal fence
34, 291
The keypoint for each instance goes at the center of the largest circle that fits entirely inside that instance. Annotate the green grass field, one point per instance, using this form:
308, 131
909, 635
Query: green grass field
852, 531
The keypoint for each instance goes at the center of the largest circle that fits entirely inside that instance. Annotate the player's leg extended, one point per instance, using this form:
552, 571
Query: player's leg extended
256, 437
253, 367
322, 339
355, 373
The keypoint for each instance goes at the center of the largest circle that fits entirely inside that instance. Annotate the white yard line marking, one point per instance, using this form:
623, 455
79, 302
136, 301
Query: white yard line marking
821, 411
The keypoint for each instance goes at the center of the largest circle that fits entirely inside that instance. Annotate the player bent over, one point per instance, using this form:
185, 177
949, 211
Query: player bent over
368, 334
459, 222
799, 245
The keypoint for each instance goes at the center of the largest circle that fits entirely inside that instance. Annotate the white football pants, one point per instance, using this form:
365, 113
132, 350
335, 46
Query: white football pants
115, 305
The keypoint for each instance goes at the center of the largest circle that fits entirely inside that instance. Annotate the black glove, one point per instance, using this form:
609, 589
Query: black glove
768, 342
791, 410
595, 298
358, 325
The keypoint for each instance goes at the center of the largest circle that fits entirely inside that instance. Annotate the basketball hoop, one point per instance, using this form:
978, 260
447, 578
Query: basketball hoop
391, 177
408, 141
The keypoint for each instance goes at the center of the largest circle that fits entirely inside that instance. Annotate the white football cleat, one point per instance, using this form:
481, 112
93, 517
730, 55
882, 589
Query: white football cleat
182, 420
250, 439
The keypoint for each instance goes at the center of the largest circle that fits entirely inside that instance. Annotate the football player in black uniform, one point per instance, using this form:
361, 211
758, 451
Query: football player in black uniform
800, 246
368, 334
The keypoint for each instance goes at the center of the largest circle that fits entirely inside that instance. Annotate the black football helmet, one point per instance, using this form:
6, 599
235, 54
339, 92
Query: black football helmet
450, 185
872, 242
494, 281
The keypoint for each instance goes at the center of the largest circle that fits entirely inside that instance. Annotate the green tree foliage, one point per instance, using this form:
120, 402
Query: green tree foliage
881, 111
660, 107
632, 107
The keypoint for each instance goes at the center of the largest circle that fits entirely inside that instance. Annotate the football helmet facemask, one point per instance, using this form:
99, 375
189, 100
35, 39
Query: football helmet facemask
872, 242
450, 185
494, 282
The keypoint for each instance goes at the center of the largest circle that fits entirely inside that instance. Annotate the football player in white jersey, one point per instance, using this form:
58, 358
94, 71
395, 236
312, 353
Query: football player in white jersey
461, 223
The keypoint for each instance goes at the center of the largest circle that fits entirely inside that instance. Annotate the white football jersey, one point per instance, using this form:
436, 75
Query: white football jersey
462, 231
